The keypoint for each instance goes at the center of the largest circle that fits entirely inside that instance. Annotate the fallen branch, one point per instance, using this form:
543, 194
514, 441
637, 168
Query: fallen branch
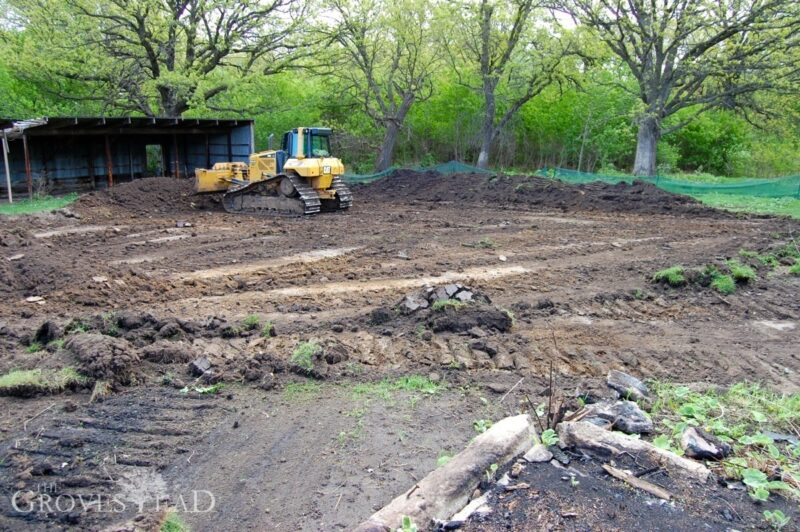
25, 424
643, 485
512, 389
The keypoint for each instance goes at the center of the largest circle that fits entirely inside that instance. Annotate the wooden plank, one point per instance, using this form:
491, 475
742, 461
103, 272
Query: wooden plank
109, 163
28, 174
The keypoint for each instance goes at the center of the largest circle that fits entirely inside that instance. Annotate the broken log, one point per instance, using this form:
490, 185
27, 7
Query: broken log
643, 485
585, 435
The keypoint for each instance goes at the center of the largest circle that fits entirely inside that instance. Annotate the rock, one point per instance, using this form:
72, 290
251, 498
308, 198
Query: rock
169, 330
450, 290
623, 415
199, 366
47, 332
627, 386
434, 377
538, 453
69, 406
464, 296
701, 445
337, 328
267, 382
504, 360
403, 255
129, 320
379, 316
516, 469
100, 279
413, 303
502, 258
481, 345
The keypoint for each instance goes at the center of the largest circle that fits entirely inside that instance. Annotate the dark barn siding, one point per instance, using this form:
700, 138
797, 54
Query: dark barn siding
67, 155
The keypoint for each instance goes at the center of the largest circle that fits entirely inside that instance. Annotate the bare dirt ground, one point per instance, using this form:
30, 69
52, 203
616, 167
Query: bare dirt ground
172, 277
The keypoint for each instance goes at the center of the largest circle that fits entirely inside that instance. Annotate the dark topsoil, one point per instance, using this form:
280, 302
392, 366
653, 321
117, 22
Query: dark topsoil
531, 191
150, 196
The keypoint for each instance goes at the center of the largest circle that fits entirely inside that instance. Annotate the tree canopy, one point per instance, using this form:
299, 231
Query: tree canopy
597, 85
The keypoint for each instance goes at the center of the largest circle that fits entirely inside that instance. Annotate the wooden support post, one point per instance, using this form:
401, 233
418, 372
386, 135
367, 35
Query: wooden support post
6, 149
90, 157
28, 174
109, 163
130, 159
177, 156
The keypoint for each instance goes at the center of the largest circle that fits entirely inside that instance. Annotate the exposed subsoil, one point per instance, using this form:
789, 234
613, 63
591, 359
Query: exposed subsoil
160, 277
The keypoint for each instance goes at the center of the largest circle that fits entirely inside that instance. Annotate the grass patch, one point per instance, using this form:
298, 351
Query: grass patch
385, 388
251, 323
795, 270
442, 304
173, 523
744, 416
724, 284
483, 243
740, 272
303, 355
753, 204
674, 276
301, 391
24, 383
268, 330
40, 204
35, 347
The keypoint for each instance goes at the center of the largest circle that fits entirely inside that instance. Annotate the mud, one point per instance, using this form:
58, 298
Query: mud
138, 296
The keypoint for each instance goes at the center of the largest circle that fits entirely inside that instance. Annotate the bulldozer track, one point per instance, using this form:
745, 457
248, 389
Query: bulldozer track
263, 198
343, 193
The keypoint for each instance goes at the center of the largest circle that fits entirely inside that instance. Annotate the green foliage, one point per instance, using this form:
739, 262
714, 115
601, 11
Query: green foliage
251, 322
27, 382
443, 459
491, 472
483, 243
385, 388
110, 327
674, 276
407, 525
740, 272
57, 344
739, 416
40, 204
34, 347
724, 284
795, 269
302, 391
268, 329
730, 202
174, 523
776, 519
204, 390
303, 355
481, 425
549, 437
443, 304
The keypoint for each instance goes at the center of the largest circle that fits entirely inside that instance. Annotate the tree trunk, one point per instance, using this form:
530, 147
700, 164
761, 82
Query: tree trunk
647, 146
487, 131
386, 155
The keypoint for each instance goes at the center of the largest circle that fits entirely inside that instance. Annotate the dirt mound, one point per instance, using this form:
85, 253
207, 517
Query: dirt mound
640, 197
105, 358
152, 195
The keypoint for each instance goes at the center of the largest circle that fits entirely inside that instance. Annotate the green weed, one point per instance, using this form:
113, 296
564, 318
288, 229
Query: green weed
724, 284
443, 458
795, 270
740, 416
483, 243
34, 347
776, 519
446, 303
385, 388
481, 425
407, 525
174, 523
303, 355
740, 272
57, 344
674, 276
110, 327
251, 322
301, 391
549, 437
268, 330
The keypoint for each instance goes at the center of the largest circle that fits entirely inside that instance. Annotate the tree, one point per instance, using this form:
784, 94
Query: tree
497, 49
155, 57
383, 55
693, 54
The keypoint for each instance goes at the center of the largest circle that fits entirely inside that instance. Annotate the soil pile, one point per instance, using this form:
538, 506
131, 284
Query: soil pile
152, 195
104, 358
639, 197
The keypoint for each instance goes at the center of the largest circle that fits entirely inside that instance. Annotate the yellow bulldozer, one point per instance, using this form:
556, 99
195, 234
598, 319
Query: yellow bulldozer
300, 178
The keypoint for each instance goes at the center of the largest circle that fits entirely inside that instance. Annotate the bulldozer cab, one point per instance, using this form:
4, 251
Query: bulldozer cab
307, 143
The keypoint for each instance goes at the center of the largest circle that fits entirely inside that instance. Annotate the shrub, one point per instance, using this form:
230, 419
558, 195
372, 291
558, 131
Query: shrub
251, 323
303, 355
